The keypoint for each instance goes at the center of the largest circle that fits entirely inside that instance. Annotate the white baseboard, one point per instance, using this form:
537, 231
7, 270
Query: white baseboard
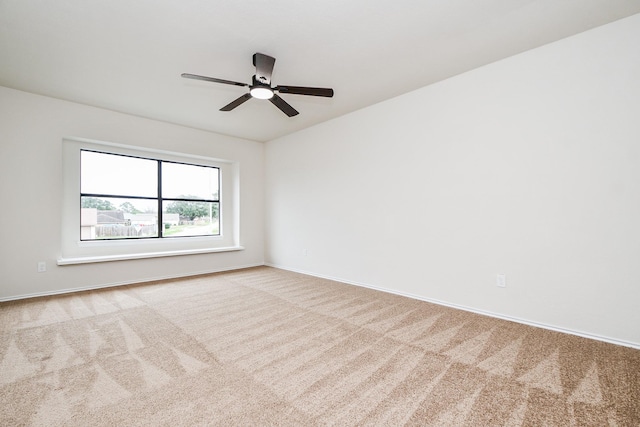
123, 283
469, 309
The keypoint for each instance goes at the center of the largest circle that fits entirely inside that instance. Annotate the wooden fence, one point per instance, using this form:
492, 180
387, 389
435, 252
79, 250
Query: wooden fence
122, 231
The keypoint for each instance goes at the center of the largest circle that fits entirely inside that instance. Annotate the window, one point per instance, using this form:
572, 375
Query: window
152, 203
127, 197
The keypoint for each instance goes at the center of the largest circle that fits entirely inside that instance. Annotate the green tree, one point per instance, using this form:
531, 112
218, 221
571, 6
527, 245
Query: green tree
192, 210
129, 208
100, 204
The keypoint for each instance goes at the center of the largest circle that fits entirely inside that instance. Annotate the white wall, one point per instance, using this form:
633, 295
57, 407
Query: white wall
529, 167
31, 131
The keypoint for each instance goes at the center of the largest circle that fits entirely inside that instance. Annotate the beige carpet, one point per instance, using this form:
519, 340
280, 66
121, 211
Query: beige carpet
268, 347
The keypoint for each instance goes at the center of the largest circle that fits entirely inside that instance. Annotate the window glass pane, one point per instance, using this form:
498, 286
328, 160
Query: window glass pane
104, 218
182, 218
102, 173
180, 181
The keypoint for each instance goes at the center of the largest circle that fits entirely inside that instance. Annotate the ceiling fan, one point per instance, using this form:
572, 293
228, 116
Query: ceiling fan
261, 86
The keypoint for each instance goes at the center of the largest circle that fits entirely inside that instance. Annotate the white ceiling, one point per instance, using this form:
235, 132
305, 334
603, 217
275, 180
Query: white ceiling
127, 55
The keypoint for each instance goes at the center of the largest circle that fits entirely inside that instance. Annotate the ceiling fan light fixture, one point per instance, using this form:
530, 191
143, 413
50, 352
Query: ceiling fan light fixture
261, 92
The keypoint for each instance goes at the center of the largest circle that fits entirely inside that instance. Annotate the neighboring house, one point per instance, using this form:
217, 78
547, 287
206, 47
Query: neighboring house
140, 219
115, 218
90, 218
88, 222
151, 219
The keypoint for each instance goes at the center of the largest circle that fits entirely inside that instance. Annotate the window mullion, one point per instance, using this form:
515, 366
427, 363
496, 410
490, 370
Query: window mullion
160, 220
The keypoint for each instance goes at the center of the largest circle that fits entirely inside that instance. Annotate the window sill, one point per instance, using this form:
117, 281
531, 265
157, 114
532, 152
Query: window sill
125, 257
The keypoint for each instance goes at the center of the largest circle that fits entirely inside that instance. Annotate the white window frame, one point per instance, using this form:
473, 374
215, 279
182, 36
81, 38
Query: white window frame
76, 251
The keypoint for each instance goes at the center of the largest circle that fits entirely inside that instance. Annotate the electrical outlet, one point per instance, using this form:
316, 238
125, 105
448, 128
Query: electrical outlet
501, 280
42, 267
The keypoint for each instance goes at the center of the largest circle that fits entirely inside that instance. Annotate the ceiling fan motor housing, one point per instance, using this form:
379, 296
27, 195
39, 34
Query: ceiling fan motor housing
260, 90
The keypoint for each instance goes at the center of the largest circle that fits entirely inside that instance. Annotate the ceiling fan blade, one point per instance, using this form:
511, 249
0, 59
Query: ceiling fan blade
233, 104
300, 90
264, 67
212, 79
283, 106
